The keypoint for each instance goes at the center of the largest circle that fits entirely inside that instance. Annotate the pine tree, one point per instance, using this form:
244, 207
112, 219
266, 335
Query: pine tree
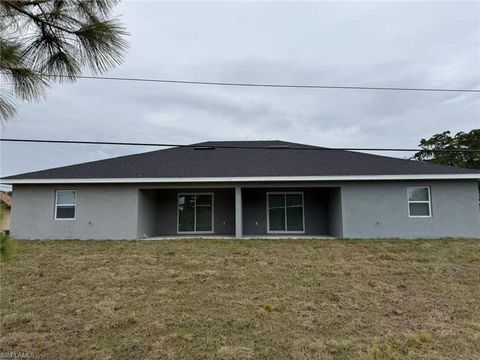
44, 41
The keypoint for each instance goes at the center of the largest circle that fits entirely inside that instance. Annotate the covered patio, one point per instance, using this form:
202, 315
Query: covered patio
239, 212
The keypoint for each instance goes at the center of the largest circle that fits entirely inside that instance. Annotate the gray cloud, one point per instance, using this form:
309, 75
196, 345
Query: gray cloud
411, 44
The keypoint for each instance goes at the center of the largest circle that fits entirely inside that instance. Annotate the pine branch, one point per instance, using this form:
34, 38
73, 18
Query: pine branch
60, 38
38, 19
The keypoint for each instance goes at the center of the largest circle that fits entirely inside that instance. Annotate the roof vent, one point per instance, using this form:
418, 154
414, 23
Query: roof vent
204, 148
279, 146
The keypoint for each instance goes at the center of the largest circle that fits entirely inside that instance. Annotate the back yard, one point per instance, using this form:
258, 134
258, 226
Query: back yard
248, 299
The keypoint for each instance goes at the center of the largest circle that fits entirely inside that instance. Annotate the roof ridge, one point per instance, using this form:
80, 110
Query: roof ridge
239, 142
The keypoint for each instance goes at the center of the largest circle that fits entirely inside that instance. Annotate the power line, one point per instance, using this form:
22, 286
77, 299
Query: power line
267, 85
216, 146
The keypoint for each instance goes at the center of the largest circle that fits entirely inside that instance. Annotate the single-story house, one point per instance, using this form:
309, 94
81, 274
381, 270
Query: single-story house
5, 209
246, 189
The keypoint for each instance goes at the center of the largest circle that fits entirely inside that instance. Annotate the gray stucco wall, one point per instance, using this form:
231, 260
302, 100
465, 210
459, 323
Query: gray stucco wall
380, 209
335, 222
147, 213
367, 209
102, 212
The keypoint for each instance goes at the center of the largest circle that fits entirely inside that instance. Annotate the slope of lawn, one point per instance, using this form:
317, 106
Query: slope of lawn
248, 299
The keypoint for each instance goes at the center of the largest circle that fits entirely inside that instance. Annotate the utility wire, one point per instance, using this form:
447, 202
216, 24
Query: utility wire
266, 85
206, 146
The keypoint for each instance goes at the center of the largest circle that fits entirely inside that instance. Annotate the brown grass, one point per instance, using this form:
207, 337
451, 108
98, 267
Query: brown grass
249, 299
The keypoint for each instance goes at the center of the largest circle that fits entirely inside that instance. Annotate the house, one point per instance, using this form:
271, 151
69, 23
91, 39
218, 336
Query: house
246, 189
5, 208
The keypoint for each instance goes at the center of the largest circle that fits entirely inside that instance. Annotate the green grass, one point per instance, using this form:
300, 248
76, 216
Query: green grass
248, 299
7, 249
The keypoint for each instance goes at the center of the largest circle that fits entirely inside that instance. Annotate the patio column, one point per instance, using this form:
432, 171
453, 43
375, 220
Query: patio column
238, 212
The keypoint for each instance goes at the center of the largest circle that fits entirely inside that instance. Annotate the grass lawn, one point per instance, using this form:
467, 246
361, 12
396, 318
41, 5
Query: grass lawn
248, 299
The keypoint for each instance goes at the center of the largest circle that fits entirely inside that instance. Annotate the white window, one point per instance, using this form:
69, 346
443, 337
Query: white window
419, 202
195, 213
285, 212
65, 201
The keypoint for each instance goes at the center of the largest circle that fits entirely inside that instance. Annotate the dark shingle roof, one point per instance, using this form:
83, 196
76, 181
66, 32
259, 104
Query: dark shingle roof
260, 158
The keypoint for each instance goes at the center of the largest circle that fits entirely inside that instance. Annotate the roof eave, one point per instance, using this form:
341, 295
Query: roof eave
471, 176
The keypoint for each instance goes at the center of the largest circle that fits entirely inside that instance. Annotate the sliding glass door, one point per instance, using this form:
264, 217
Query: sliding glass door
285, 212
195, 213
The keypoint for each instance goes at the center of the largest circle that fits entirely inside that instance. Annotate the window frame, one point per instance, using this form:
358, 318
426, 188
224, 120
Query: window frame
429, 202
285, 193
195, 213
57, 191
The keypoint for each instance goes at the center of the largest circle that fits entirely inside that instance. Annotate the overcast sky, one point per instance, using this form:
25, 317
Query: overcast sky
408, 44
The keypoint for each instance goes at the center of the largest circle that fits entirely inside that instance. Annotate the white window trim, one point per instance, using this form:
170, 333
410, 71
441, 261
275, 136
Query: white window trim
268, 212
195, 213
429, 202
57, 205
